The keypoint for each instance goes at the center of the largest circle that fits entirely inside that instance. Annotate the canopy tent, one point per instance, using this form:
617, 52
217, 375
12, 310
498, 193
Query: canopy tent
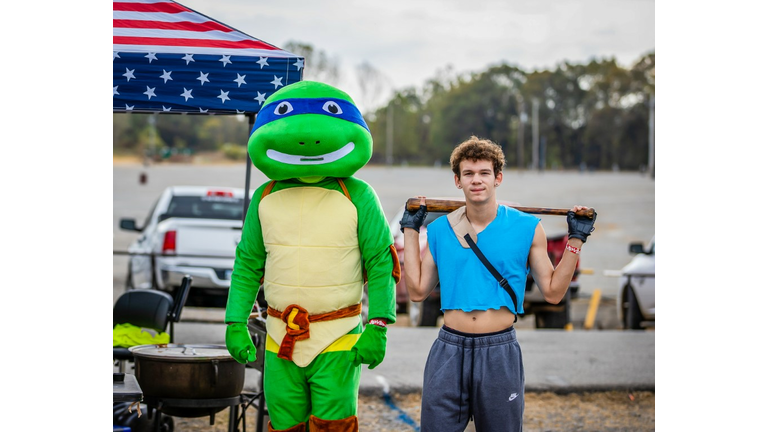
168, 58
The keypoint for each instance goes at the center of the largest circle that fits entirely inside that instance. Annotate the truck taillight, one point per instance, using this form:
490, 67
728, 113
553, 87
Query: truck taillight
169, 243
220, 193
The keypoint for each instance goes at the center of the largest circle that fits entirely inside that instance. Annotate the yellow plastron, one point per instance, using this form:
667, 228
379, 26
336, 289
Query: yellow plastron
313, 260
344, 343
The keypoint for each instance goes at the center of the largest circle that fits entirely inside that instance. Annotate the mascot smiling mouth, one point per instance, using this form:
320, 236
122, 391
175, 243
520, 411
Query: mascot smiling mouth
311, 160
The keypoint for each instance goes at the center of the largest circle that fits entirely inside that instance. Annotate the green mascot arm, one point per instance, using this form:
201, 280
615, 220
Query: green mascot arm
244, 285
248, 271
376, 248
370, 348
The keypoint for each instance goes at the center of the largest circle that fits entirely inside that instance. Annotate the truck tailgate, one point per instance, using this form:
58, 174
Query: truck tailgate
207, 240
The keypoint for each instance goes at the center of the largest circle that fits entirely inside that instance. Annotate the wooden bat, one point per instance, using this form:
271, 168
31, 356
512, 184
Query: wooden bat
451, 205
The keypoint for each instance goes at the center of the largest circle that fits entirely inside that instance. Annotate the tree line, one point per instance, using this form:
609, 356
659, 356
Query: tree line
593, 115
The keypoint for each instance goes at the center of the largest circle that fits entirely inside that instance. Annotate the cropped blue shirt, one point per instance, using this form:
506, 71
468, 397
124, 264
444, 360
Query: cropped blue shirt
465, 283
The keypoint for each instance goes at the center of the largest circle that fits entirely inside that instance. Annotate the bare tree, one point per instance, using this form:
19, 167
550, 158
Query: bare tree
318, 65
371, 82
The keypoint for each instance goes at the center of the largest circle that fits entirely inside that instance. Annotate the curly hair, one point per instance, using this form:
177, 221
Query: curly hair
476, 149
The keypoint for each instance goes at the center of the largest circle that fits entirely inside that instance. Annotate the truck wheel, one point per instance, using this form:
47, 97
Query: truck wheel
414, 311
430, 311
364, 301
260, 299
632, 315
124, 416
555, 319
129, 279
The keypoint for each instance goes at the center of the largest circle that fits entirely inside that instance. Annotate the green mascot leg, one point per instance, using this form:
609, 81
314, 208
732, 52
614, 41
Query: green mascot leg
334, 383
301, 427
348, 424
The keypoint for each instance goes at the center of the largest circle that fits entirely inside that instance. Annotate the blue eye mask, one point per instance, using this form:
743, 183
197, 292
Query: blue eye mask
332, 107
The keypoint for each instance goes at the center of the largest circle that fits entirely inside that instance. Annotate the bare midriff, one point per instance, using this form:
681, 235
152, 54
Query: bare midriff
487, 321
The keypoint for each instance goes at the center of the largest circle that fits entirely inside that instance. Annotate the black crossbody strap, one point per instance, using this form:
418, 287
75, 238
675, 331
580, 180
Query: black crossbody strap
503, 282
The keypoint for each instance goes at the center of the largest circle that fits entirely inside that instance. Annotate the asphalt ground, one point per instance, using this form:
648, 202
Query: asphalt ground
600, 357
624, 201
554, 360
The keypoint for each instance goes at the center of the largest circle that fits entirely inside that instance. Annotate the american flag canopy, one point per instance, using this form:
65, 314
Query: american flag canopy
169, 58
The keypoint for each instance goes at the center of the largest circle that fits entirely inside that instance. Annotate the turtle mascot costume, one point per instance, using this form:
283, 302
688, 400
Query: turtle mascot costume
313, 236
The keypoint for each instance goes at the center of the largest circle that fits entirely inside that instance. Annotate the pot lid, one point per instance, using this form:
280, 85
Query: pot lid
186, 352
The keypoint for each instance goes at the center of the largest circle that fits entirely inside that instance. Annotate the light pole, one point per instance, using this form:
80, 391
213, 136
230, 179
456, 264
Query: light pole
535, 133
521, 132
651, 144
390, 133
152, 120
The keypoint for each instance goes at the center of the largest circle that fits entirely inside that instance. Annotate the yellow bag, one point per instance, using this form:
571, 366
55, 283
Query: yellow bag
128, 335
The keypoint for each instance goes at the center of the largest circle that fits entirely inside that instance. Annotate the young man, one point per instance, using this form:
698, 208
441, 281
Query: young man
475, 367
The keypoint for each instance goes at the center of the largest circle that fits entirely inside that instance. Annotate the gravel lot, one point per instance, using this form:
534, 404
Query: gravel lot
595, 412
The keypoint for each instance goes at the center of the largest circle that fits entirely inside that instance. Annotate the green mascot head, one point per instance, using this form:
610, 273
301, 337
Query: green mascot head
309, 130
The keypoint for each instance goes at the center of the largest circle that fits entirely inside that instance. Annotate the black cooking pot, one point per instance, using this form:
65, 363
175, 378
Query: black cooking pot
188, 372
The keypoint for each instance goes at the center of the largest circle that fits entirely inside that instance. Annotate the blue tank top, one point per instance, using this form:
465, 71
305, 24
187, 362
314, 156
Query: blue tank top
465, 283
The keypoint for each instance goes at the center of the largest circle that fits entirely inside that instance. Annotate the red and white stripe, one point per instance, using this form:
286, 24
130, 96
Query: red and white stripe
164, 26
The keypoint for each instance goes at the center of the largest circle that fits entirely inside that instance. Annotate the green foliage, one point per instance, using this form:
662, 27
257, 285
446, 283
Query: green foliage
593, 114
195, 133
234, 151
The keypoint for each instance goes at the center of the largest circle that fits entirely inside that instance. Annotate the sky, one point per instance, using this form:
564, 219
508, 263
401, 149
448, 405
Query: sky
409, 41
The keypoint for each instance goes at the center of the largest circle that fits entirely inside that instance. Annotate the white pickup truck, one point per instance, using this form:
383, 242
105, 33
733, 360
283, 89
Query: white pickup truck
191, 230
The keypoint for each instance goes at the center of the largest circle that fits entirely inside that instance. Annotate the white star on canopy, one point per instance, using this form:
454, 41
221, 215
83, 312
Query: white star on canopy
188, 58
166, 76
150, 92
240, 80
224, 96
203, 78
129, 74
260, 97
151, 56
277, 81
263, 62
187, 94
224, 60
299, 64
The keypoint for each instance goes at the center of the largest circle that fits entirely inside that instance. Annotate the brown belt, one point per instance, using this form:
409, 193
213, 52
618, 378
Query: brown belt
297, 320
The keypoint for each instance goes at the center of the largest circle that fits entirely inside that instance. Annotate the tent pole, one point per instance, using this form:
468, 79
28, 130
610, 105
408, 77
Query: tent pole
246, 200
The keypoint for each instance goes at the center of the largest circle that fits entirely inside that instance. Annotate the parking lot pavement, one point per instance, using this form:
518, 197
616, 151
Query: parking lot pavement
603, 358
606, 317
554, 360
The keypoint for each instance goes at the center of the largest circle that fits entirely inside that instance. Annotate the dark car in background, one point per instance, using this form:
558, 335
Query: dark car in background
426, 313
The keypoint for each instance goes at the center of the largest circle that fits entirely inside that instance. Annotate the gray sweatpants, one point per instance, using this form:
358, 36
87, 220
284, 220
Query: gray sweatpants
473, 375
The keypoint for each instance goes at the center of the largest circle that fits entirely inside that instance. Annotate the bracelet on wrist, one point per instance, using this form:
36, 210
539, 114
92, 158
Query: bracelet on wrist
378, 322
573, 249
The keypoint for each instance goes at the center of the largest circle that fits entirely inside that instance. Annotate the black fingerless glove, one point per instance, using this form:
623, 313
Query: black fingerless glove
580, 227
413, 219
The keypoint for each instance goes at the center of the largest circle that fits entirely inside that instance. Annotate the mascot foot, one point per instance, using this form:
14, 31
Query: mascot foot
301, 427
348, 424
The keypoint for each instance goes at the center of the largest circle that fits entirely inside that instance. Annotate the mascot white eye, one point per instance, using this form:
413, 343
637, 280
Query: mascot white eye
283, 108
332, 107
